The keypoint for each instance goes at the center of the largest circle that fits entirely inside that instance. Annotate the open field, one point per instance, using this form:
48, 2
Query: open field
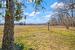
39, 38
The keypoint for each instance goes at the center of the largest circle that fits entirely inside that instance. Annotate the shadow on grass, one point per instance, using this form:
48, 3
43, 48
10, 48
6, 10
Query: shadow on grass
20, 46
0, 49
72, 29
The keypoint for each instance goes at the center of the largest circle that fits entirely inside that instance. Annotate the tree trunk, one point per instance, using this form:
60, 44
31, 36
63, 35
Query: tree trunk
8, 36
48, 26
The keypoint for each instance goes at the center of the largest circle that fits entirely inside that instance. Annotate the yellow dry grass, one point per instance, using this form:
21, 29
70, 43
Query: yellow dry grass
39, 38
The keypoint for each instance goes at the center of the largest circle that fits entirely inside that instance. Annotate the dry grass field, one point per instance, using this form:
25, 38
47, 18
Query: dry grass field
39, 38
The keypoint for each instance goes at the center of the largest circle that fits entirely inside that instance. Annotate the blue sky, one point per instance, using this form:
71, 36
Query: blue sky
41, 16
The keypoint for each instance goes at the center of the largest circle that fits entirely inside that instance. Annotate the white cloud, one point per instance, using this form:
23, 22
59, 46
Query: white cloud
26, 13
3, 4
34, 13
54, 5
57, 5
48, 15
31, 1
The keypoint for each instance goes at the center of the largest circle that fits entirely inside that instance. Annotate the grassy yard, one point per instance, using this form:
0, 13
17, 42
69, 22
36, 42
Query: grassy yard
39, 38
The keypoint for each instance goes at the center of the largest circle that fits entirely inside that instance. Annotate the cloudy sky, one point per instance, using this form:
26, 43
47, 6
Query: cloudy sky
41, 16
